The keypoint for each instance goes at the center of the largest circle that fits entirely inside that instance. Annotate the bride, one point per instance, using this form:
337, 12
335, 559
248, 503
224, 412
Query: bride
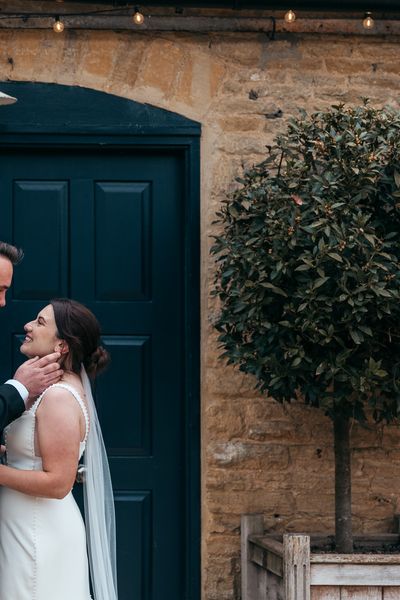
43, 539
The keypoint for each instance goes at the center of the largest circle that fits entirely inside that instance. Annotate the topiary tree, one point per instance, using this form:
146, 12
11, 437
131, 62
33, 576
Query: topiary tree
308, 274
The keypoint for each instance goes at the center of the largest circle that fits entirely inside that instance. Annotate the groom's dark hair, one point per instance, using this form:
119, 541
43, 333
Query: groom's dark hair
13, 254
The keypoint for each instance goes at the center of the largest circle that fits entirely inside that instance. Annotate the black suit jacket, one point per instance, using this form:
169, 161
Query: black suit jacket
11, 404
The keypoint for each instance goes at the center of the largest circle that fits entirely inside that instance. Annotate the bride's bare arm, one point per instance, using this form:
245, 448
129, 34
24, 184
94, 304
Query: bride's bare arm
58, 423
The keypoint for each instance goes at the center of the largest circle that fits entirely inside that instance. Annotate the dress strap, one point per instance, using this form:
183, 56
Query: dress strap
75, 394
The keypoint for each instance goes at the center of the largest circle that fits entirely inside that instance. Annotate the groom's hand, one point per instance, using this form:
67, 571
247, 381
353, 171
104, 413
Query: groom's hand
37, 373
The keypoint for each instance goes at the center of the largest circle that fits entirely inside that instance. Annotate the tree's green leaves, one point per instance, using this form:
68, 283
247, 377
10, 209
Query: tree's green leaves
275, 289
366, 329
381, 373
308, 264
320, 281
302, 306
370, 238
356, 336
321, 368
335, 256
380, 291
318, 223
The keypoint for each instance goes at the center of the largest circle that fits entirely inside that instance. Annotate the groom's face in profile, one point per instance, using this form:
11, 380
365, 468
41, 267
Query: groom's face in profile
6, 273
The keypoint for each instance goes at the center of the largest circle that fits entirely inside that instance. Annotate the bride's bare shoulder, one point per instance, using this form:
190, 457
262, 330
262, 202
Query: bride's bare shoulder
57, 399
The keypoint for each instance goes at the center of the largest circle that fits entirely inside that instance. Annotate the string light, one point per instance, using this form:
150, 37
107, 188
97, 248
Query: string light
131, 13
290, 16
58, 26
138, 18
368, 22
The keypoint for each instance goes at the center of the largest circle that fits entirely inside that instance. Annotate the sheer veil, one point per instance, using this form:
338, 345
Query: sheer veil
99, 507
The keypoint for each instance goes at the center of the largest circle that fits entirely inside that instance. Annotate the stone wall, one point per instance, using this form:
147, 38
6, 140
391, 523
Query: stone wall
256, 454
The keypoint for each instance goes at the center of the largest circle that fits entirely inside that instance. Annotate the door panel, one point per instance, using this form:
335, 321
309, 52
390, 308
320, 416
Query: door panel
132, 371
106, 227
31, 201
122, 220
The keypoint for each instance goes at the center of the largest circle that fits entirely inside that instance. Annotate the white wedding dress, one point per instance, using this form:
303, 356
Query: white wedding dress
42, 540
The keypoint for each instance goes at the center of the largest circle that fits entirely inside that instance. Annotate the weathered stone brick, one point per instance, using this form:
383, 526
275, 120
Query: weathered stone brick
240, 123
160, 66
99, 55
25, 52
127, 61
245, 51
183, 89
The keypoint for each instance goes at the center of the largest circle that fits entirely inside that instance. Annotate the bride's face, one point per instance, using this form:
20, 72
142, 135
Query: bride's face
41, 334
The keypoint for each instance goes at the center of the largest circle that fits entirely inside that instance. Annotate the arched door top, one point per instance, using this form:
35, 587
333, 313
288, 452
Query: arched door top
53, 108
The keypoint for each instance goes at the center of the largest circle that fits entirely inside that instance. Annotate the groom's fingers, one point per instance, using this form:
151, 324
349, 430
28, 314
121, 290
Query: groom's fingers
49, 363
31, 360
53, 377
38, 374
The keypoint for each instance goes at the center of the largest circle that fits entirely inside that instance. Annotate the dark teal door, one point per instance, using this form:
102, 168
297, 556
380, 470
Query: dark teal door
106, 226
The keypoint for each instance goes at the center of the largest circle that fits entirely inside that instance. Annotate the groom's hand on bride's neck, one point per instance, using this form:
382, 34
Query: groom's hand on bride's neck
37, 373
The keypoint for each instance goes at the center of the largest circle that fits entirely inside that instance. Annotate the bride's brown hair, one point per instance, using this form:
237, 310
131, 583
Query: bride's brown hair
78, 326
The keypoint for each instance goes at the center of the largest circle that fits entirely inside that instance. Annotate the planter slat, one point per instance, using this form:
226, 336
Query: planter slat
250, 524
273, 591
325, 593
257, 555
391, 593
262, 583
361, 593
347, 574
275, 564
360, 559
268, 543
296, 554
267, 552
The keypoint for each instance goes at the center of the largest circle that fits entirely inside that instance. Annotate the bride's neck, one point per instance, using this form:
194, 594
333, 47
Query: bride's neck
70, 377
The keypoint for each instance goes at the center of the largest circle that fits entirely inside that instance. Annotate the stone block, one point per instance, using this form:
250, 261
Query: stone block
251, 455
348, 66
161, 65
128, 60
230, 382
25, 53
183, 90
217, 74
99, 54
241, 123
224, 423
244, 51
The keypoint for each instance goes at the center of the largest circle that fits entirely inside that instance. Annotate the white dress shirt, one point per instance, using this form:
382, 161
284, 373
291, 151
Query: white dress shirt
21, 389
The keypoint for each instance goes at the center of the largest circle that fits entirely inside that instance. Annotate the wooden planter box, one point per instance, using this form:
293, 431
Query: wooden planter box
283, 568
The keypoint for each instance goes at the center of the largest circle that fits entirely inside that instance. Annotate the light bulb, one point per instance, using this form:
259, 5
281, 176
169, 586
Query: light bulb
138, 18
58, 26
368, 21
290, 16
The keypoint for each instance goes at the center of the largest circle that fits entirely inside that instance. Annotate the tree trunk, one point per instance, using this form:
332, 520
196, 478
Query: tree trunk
343, 525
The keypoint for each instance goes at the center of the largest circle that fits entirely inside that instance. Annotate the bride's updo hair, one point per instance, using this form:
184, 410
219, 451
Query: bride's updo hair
78, 326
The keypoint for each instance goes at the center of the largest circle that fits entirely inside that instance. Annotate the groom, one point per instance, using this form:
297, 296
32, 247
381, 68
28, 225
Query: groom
33, 376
